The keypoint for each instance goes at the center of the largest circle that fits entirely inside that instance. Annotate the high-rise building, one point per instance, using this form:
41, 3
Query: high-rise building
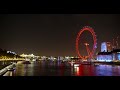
107, 54
106, 47
109, 47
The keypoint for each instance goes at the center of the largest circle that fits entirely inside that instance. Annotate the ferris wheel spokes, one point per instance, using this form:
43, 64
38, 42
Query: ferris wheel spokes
90, 53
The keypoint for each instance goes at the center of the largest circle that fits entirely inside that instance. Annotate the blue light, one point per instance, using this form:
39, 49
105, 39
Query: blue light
118, 55
113, 56
104, 47
104, 58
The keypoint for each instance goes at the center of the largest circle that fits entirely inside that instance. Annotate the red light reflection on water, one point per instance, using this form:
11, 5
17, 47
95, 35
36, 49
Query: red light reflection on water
84, 70
61, 69
78, 71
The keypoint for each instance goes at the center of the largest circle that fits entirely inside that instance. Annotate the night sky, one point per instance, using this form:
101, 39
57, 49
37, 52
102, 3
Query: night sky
53, 34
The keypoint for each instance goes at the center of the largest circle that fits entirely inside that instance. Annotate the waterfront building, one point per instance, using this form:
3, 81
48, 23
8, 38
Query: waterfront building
107, 54
106, 47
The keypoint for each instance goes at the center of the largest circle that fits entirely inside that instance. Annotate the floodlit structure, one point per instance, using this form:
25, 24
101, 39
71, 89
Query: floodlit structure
60, 58
106, 47
116, 54
104, 56
107, 54
11, 52
29, 56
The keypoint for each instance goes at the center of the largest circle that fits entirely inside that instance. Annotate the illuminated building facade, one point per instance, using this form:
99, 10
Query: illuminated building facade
104, 56
60, 58
11, 52
43, 57
29, 56
106, 47
107, 54
116, 54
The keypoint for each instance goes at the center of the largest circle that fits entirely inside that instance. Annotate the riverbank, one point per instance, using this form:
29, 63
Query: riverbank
4, 64
7, 68
109, 63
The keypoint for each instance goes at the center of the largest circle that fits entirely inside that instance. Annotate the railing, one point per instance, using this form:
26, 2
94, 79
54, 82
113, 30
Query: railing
4, 70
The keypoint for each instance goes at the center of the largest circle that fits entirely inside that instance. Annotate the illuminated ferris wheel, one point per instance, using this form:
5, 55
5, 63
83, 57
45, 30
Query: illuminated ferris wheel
90, 53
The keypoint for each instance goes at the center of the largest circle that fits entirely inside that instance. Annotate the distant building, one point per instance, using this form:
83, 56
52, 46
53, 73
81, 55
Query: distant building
67, 57
60, 58
44, 57
116, 54
27, 56
106, 47
104, 56
11, 52
107, 54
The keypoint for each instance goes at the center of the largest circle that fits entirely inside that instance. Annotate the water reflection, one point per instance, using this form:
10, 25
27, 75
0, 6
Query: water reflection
77, 71
84, 70
53, 68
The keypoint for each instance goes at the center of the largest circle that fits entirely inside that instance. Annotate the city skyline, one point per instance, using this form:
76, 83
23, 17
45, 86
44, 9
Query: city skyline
53, 34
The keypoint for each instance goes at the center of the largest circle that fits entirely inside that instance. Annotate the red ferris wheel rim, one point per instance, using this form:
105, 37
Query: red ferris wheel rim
86, 28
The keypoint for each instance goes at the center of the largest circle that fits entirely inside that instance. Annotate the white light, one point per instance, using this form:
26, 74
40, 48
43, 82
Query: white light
76, 65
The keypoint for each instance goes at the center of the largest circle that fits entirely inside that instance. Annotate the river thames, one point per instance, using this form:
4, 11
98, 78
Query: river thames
50, 68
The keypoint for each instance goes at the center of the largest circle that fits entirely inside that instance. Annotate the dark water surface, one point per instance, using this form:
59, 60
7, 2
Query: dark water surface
50, 68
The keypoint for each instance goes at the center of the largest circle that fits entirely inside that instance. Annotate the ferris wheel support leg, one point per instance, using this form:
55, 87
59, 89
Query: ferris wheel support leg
89, 53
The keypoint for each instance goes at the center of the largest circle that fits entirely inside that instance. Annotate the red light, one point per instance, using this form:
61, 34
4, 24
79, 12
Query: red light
86, 28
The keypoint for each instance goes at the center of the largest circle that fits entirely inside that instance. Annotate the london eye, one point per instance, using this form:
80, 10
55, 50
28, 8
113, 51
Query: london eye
86, 44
